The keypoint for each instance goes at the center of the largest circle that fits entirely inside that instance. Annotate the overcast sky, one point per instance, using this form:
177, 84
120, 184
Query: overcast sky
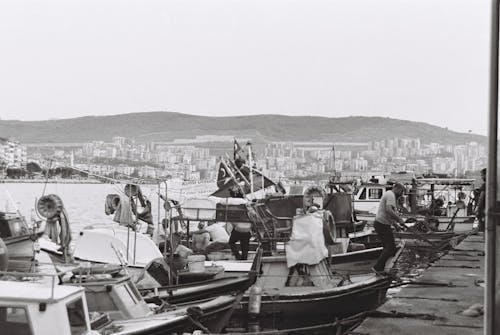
421, 60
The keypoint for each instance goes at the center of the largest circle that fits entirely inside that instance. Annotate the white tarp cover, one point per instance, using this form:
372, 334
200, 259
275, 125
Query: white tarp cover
307, 243
199, 209
96, 245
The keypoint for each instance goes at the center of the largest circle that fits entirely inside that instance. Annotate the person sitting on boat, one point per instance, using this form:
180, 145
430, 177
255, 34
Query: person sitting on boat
436, 207
386, 218
201, 239
219, 238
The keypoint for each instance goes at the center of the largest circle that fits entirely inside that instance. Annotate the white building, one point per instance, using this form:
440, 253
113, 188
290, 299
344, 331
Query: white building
12, 153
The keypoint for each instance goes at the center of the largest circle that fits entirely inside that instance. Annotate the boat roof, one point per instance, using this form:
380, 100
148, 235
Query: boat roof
9, 215
35, 292
373, 185
446, 181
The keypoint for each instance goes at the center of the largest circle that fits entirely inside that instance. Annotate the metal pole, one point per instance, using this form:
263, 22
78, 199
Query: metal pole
491, 219
159, 214
171, 237
250, 163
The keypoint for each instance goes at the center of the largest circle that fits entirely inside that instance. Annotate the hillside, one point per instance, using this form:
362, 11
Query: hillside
166, 126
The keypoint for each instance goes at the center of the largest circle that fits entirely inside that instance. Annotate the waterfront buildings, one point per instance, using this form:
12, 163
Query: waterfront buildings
196, 159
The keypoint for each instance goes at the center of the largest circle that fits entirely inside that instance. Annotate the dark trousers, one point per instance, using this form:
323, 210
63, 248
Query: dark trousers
384, 233
244, 239
481, 224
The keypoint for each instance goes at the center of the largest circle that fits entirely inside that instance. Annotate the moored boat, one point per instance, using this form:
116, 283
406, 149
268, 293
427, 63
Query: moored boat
19, 239
297, 288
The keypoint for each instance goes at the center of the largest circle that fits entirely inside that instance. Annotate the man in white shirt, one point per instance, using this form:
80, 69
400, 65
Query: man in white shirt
214, 237
386, 218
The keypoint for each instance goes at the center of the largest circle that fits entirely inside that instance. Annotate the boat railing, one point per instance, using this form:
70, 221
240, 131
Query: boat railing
53, 277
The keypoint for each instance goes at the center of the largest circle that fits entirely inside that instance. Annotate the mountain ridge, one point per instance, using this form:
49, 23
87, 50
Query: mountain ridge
167, 126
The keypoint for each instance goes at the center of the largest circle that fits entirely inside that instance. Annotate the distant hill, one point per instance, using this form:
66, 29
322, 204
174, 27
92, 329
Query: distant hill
166, 126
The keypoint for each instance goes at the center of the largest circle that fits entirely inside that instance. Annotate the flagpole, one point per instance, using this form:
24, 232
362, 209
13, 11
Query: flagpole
334, 165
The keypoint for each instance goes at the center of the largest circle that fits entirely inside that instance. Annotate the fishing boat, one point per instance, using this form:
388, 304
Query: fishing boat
18, 237
35, 308
121, 301
156, 281
296, 286
446, 200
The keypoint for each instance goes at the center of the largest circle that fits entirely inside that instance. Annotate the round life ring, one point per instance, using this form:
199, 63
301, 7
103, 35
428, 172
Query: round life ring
49, 206
4, 256
115, 201
329, 231
132, 190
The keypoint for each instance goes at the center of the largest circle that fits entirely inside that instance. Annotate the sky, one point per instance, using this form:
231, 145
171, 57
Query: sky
419, 60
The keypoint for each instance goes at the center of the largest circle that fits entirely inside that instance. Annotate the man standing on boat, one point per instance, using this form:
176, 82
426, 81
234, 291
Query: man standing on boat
386, 218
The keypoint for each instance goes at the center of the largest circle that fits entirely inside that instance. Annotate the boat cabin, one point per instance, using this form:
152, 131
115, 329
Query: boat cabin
117, 297
28, 308
12, 225
368, 196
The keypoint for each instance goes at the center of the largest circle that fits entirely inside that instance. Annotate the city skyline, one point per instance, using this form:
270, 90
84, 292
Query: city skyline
198, 160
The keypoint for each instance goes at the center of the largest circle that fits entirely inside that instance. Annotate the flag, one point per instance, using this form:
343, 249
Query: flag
223, 177
238, 152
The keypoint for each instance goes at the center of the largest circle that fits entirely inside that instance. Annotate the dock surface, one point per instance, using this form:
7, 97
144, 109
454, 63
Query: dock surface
434, 302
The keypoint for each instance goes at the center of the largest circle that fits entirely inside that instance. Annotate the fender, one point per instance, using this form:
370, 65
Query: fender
329, 231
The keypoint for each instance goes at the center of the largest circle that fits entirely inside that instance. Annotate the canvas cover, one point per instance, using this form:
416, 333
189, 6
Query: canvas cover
307, 243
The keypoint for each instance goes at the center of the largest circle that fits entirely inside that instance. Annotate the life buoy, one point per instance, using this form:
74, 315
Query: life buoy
329, 231
115, 200
49, 206
132, 190
4, 256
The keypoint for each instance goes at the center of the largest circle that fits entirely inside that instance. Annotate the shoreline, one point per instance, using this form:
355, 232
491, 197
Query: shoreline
49, 181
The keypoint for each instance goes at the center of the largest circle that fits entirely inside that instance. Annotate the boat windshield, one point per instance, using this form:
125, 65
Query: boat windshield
14, 320
12, 228
76, 316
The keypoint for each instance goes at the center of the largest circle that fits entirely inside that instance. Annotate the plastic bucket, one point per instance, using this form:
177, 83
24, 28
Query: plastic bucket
196, 263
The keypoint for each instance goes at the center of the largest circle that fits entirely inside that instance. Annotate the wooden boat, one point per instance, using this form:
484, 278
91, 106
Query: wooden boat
438, 240
456, 209
301, 295
114, 247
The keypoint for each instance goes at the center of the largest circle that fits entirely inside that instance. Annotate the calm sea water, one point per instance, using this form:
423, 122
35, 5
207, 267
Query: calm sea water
83, 202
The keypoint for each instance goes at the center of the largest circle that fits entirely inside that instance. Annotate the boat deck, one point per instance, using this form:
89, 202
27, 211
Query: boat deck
434, 302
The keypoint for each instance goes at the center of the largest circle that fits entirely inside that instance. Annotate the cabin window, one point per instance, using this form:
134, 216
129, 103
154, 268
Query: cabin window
17, 227
76, 317
375, 193
14, 320
362, 196
134, 292
125, 294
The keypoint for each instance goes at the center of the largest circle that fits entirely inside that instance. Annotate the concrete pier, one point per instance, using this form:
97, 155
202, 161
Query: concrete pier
434, 303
